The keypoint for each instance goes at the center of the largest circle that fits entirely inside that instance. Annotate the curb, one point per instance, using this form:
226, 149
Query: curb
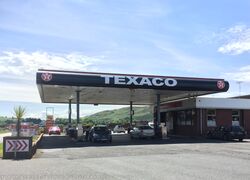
36, 144
38, 139
186, 137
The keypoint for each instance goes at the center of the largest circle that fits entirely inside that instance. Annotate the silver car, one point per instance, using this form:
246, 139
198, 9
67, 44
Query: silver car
142, 132
118, 129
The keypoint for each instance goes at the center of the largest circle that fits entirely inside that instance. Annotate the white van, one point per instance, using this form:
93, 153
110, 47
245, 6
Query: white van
151, 124
118, 129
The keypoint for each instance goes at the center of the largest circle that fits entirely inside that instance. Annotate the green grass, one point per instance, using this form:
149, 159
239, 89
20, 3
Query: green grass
119, 115
4, 131
34, 138
1, 149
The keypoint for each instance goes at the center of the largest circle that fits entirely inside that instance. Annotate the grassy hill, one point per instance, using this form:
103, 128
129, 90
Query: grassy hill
119, 116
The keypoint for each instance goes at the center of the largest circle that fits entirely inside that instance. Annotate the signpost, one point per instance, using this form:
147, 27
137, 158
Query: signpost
17, 147
49, 118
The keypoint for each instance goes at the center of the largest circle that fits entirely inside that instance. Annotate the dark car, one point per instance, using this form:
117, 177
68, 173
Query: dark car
100, 133
227, 133
71, 132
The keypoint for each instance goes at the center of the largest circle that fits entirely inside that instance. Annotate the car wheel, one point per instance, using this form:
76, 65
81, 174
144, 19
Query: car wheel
240, 140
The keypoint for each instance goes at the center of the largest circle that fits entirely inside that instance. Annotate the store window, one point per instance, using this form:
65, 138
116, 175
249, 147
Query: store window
185, 118
235, 117
169, 120
211, 118
181, 118
190, 116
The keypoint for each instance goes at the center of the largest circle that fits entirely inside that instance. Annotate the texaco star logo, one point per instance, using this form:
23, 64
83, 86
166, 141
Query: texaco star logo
221, 84
46, 76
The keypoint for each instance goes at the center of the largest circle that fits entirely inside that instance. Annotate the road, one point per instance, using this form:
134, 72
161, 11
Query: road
59, 157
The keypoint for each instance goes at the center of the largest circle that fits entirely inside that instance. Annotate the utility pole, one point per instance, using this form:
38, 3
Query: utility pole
239, 83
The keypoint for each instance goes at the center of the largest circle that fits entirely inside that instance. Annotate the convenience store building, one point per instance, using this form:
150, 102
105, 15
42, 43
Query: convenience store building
195, 116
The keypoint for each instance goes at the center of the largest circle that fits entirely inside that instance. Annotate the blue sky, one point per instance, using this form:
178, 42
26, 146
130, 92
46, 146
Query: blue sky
162, 37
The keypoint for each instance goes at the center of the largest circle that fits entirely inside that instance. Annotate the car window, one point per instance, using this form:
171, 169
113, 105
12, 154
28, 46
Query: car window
144, 127
100, 129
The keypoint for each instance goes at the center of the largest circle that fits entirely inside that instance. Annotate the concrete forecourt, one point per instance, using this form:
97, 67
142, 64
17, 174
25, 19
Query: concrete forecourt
144, 159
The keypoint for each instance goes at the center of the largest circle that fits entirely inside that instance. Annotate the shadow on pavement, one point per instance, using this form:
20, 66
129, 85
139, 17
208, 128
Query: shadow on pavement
50, 142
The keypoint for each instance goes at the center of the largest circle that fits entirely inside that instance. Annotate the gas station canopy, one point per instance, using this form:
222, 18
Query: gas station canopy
57, 86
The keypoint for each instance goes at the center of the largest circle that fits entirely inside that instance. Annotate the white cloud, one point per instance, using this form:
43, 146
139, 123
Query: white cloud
18, 69
19, 92
237, 40
243, 74
24, 64
239, 81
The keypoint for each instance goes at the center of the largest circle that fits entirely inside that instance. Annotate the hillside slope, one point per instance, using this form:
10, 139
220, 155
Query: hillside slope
119, 116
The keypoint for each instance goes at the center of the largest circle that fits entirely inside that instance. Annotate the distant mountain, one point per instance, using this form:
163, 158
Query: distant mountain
119, 116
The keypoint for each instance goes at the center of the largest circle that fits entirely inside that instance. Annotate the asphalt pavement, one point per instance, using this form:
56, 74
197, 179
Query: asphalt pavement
60, 157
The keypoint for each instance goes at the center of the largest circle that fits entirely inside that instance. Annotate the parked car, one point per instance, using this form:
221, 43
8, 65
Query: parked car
151, 124
119, 129
142, 132
71, 132
227, 133
100, 133
54, 130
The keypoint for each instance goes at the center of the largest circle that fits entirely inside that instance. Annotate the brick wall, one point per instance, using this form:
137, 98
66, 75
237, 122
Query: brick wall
246, 121
224, 117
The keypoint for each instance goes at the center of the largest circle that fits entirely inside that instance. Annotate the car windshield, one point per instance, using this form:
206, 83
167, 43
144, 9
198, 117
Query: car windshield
100, 129
54, 128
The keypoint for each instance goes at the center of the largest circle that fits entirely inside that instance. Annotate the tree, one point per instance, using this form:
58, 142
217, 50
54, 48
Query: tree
19, 112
